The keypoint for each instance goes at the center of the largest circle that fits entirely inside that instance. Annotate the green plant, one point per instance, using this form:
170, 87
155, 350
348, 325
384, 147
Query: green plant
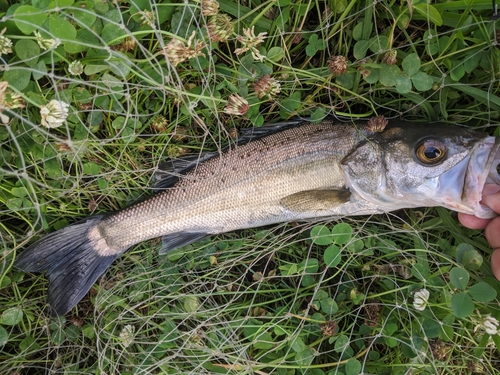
94, 95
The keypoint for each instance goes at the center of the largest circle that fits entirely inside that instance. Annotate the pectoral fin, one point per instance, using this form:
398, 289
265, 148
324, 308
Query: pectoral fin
316, 200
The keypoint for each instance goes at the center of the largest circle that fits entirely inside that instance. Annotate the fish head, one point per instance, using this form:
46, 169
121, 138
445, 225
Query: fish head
410, 165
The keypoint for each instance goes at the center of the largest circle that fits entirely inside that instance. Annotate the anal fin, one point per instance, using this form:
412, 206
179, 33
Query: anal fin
316, 200
179, 239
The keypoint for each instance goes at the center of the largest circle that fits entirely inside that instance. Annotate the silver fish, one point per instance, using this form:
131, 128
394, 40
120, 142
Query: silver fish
290, 172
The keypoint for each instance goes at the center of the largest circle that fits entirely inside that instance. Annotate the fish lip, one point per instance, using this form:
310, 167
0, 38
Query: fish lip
481, 170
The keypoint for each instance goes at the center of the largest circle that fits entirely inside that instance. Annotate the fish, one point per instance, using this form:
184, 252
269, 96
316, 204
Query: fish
294, 171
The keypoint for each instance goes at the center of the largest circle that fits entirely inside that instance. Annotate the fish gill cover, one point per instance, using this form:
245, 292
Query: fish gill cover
95, 95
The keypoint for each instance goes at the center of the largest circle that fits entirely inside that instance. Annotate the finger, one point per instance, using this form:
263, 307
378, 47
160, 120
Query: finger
492, 233
489, 189
495, 263
472, 222
492, 201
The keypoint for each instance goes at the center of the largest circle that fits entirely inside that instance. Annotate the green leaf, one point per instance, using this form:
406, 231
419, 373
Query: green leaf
411, 64
472, 260
447, 331
346, 80
311, 50
278, 331
461, 250
329, 306
379, 43
305, 357
84, 17
459, 278
356, 246
432, 328
373, 75
338, 5
90, 168
28, 51
462, 305
191, 303
11, 316
298, 345
472, 61
422, 81
113, 33
62, 29
389, 74
288, 269
20, 192
39, 70
341, 343
360, 49
28, 18
93, 69
275, 54
353, 367
58, 336
318, 114
429, 12
264, 341
342, 233
310, 265
4, 336
60, 3
27, 342
403, 84
321, 235
482, 292
290, 104
120, 64
420, 271
457, 70
332, 256
17, 77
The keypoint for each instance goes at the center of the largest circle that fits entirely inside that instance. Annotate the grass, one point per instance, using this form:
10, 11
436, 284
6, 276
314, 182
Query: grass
329, 298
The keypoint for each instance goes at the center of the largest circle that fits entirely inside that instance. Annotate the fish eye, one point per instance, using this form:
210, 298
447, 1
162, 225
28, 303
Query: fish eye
430, 151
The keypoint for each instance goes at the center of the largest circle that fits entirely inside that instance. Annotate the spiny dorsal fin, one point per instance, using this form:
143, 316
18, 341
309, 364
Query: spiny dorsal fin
169, 172
316, 200
252, 134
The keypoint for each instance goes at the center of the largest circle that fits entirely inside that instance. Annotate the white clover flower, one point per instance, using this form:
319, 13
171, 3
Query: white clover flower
266, 86
54, 114
147, 18
250, 42
127, 335
177, 51
75, 68
209, 7
489, 325
8, 100
5, 44
220, 28
236, 105
420, 299
46, 43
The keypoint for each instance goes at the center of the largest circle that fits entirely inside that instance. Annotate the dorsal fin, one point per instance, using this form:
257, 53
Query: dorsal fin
169, 172
252, 134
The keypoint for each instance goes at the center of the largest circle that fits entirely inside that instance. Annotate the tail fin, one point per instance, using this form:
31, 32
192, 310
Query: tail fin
71, 262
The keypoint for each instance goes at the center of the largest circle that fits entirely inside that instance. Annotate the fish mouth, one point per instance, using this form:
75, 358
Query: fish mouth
482, 169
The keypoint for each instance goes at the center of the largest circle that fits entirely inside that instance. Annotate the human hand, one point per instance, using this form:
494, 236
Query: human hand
491, 198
